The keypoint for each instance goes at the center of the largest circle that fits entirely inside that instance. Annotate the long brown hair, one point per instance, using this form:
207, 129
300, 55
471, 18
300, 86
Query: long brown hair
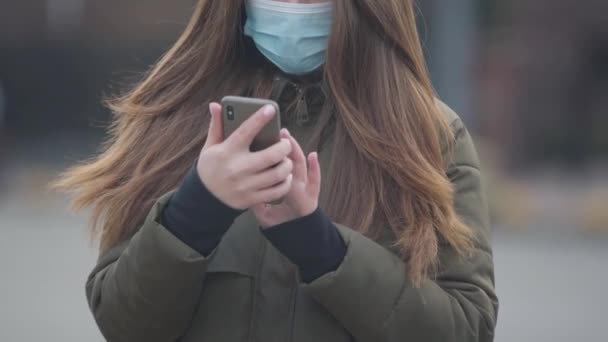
387, 125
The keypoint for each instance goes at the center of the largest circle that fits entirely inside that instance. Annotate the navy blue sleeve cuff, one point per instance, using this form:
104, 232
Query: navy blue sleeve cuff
312, 243
195, 216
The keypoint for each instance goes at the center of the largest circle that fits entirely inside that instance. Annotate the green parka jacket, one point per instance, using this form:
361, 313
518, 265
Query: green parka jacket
155, 288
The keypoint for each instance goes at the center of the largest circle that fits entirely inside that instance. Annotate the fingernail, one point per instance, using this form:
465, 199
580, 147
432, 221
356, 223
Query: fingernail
268, 110
215, 105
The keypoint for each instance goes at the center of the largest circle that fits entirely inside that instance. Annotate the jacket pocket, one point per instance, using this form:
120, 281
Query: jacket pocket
225, 309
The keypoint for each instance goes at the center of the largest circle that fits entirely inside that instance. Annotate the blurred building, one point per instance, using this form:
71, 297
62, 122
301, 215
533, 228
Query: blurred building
544, 80
531, 75
56, 69
58, 56
450, 38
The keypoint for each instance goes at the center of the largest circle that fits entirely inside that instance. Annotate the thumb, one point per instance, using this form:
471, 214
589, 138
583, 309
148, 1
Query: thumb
215, 135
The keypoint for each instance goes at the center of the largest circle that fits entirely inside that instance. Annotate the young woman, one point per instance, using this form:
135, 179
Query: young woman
391, 246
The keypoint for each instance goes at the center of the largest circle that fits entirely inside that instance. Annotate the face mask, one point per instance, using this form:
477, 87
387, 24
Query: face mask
293, 36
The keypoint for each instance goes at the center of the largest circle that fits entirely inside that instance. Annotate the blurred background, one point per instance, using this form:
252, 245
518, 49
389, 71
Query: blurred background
529, 77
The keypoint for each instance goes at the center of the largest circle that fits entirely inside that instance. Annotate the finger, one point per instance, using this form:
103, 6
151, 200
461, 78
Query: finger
262, 160
215, 135
274, 193
314, 174
264, 214
284, 133
260, 208
244, 135
271, 177
299, 160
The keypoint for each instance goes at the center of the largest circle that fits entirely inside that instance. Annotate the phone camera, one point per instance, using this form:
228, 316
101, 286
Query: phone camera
230, 113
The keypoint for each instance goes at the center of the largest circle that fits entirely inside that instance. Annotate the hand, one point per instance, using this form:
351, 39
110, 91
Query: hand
303, 199
235, 175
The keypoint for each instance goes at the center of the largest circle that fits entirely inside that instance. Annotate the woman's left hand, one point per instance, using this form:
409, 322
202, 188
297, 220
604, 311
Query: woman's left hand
303, 199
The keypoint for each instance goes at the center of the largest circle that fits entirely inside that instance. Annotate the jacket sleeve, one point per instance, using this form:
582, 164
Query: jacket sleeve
371, 295
147, 288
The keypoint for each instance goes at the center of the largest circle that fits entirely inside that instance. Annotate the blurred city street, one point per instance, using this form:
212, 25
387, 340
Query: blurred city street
550, 285
530, 87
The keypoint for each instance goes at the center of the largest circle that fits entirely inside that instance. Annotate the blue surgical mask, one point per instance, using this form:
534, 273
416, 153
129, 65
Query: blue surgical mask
293, 36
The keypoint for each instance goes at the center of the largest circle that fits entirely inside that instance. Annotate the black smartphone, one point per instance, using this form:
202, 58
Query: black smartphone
237, 109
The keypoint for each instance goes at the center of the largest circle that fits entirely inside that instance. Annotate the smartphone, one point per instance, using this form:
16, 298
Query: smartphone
237, 109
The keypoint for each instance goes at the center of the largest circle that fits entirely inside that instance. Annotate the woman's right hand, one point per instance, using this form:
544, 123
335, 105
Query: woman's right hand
235, 175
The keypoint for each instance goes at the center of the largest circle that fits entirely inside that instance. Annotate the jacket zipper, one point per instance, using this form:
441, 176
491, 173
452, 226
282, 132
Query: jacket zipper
302, 115
254, 291
294, 302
